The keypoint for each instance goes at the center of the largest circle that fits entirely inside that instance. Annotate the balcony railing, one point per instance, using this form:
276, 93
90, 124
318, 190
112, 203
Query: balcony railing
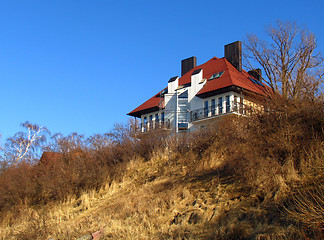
232, 107
152, 126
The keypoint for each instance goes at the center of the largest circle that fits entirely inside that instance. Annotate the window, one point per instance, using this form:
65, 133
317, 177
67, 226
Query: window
165, 91
145, 124
213, 107
150, 124
228, 104
256, 82
206, 108
216, 75
184, 94
242, 105
183, 126
156, 120
162, 117
220, 105
235, 104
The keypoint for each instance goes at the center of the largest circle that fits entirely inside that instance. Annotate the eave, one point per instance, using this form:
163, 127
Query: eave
145, 111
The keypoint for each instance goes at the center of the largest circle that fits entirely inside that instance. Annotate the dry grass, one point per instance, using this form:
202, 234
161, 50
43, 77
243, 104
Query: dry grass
234, 182
145, 204
158, 199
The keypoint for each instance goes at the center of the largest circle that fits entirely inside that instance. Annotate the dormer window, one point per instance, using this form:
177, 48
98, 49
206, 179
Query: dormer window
165, 91
256, 82
216, 75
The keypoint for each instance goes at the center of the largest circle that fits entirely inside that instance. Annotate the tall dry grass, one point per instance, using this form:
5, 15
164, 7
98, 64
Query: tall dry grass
259, 177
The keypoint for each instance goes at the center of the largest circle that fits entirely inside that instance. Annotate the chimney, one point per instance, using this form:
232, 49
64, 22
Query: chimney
256, 73
188, 64
233, 54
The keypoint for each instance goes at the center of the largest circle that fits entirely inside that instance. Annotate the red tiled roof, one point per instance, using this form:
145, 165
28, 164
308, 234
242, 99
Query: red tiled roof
50, 157
230, 77
155, 101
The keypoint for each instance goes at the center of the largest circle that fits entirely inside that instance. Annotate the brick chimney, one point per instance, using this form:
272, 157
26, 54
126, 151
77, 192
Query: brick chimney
188, 64
256, 73
233, 54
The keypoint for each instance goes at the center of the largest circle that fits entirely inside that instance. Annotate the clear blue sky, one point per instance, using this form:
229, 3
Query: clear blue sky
80, 66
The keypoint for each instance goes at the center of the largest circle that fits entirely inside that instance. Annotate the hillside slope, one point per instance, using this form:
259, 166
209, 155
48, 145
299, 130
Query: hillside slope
238, 181
159, 199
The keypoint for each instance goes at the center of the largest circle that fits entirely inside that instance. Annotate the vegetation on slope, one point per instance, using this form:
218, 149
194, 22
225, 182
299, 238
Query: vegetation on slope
256, 177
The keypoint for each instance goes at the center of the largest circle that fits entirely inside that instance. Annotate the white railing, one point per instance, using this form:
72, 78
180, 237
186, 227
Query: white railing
152, 125
231, 107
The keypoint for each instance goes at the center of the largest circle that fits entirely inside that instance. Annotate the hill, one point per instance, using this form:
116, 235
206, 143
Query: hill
248, 178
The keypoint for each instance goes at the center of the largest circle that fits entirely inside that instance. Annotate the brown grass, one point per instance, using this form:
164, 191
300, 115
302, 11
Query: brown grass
252, 178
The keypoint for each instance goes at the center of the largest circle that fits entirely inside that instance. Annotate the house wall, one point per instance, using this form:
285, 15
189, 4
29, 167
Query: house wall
252, 105
149, 123
172, 110
200, 104
170, 107
196, 85
197, 106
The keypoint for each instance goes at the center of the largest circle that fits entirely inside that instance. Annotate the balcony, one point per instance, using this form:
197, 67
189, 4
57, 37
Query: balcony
152, 126
205, 113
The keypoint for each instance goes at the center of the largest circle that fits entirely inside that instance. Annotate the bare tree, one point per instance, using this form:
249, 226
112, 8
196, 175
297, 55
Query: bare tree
99, 141
66, 144
25, 145
289, 59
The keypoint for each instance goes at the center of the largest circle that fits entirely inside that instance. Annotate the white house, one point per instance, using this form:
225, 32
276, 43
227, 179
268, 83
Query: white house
202, 94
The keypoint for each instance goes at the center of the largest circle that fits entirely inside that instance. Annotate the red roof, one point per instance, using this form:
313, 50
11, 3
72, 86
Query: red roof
50, 157
230, 77
154, 102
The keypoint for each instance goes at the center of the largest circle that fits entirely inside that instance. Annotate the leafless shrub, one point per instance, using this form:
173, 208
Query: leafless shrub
37, 227
306, 205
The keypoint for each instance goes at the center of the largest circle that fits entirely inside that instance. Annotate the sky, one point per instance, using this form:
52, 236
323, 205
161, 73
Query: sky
81, 66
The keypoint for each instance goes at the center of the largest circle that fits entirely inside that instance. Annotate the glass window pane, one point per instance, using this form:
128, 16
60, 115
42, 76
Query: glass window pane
227, 103
206, 108
213, 106
220, 105
162, 116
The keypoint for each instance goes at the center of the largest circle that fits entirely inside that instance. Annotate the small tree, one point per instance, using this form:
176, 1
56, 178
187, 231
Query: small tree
66, 144
289, 59
99, 141
25, 145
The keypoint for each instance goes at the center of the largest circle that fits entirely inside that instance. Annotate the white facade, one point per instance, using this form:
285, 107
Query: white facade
184, 111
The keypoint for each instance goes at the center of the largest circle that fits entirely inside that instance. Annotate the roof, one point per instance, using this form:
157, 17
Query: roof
230, 77
50, 157
155, 102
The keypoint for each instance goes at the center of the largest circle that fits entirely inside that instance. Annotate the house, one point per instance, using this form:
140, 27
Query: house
52, 158
202, 94
49, 158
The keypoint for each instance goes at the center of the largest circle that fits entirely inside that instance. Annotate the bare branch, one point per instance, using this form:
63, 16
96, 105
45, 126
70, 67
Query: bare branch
289, 60
23, 145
